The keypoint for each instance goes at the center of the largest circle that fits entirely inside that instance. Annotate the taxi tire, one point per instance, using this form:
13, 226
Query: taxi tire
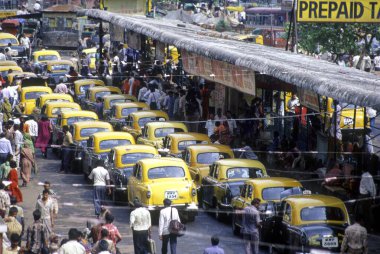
218, 213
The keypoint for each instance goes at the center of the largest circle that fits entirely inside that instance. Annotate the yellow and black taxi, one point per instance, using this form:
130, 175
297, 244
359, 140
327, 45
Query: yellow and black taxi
175, 143
309, 223
52, 97
270, 190
154, 132
29, 95
100, 144
54, 108
56, 69
93, 93
82, 85
200, 157
120, 164
136, 121
224, 181
81, 132
120, 111
17, 51
112, 99
155, 179
4, 70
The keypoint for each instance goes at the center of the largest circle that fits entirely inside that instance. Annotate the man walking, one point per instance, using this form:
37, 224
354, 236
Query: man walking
5, 148
214, 249
5, 200
250, 227
32, 127
72, 246
166, 215
101, 179
46, 207
36, 235
140, 222
66, 152
355, 238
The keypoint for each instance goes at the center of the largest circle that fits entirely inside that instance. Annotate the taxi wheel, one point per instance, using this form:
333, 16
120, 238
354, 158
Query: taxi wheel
235, 228
217, 211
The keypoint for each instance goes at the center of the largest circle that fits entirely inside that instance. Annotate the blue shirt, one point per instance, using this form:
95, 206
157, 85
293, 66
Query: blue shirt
213, 250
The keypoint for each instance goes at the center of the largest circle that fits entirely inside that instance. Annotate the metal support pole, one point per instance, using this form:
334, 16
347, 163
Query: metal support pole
354, 123
335, 128
101, 46
295, 28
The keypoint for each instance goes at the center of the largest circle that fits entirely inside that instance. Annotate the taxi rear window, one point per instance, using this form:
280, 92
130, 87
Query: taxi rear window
108, 144
241, 172
33, 95
47, 58
210, 158
163, 132
127, 111
183, 144
273, 193
131, 158
86, 132
322, 213
166, 172
72, 120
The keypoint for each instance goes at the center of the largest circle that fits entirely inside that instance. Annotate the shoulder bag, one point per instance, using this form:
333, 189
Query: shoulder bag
176, 227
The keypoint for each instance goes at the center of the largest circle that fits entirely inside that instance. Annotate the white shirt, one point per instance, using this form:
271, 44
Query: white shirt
142, 92
376, 61
220, 118
61, 88
37, 7
154, 97
33, 127
19, 139
140, 219
100, 176
6, 92
25, 42
210, 125
2, 57
367, 185
369, 144
165, 218
5, 146
371, 113
232, 125
72, 247
292, 103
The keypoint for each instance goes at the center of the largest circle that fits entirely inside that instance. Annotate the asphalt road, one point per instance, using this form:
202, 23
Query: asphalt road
76, 209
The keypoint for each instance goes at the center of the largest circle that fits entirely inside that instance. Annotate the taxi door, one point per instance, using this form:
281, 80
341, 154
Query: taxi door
208, 184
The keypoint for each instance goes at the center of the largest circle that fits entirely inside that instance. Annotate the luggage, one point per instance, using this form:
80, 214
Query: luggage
151, 246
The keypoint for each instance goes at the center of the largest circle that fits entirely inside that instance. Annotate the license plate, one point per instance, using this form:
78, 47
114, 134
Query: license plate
330, 242
171, 194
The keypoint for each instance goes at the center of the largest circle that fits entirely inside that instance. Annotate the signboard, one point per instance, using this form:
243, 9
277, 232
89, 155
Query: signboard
134, 40
309, 99
239, 78
364, 11
116, 32
160, 51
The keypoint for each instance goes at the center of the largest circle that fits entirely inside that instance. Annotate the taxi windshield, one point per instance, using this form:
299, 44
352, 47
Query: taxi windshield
127, 111
6, 41
72, 120
273, 193
47, 58
86, 132
322, 213
131, 158
33, 95
56, 111
244, 173
102, 94
57, 100
166, 172
163, 132
145, 120
61, 67
84, 88
183, 144
113, 102
108, 144
210, 158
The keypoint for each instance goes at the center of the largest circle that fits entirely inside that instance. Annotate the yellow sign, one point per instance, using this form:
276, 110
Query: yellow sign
364, 11
5, 14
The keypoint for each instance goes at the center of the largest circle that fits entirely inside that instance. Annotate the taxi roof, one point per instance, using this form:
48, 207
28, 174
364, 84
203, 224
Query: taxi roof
90, 50
118, 96
22, 74
57, 62
63, 103
112, 135
7, 35
189, 136
86, 81
208, 147
46, 52
8, 63
275, 182
161, 124
150, 113
240, 163
13, 68
36, 89
167, 161
131, 105
94, 124
56, 96
67, 114
104, 88
135, 148
314, 200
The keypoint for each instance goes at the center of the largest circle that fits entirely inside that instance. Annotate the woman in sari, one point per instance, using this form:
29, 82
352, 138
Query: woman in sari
13, 187
6, 108
44, 134
27, 163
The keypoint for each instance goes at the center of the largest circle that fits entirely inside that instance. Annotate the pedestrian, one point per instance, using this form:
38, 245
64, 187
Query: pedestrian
153, 96
99, 107
371, 114
193, 111
113, 232
72, 246
36, 235
142, 92
5, 167
46, 206
13, 178
31, 127
104, 234
66, 149
166, 215
52, 196
206, 95
5, 200
85, 62
5, 148
101, 178
19, 141
250, 227
24, 41
210, 125
27, 163
2, 55
37, 6
103, 247
61, 87
355, 238
44, 134
6, 109
140, 223
14, 248
224, 134
13, 226
214, 249
219, 115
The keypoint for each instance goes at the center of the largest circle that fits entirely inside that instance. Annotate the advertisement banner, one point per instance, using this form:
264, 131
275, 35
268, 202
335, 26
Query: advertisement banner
160, 51
116, 33
347, 11
309, 99
239, 78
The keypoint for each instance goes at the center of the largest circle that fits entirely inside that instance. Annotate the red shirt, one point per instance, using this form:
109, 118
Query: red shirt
113, 232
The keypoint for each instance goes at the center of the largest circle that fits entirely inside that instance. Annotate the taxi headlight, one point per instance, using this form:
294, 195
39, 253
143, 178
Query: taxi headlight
193, 192
148, 194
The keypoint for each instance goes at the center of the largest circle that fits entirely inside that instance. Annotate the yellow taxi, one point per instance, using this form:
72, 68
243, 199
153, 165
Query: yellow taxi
269, 190
120, 111
120, 164
56, 69
4, 70
8, 63
82, 85
309, 224
175, 143
44, 56
154, 132
29, 96
155, 179
15, 78
17, 51
54, 108
6, 38
200, 157
53, 97
136, 121
100, 144
91, 53
81, 131
93, 93
112, 99
224, 181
